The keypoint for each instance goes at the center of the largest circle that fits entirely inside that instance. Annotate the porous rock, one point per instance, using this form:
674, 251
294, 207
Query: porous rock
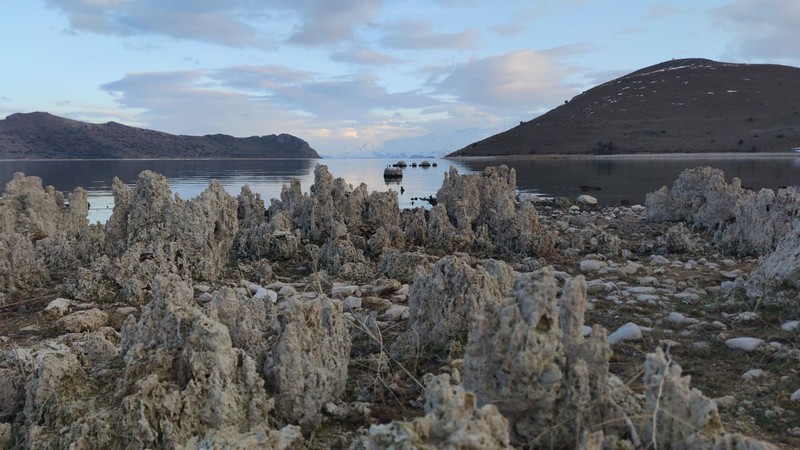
528, 356
249, 321
36, 212
403, 266
452, 420
776, 279
682, 417
88, 320
443, 302
307, 363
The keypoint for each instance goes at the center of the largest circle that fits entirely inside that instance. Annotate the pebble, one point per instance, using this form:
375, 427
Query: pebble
647, 281
586, 330
724, 402
587, 199
343, 291
795, 397
201, 288
592, 265
679, 319
125, 311
58, 307
642, 290
287, 291
791, 325
701, 345
658, 260
687, 297
77, 322
753, 374
628, 332
395, 313
352, 302
747, 344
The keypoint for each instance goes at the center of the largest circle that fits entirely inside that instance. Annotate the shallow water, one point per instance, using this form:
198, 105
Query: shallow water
619, 179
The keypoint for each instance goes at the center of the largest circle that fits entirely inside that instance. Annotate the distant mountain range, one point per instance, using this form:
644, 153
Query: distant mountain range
435, 144
43, 135
686, 105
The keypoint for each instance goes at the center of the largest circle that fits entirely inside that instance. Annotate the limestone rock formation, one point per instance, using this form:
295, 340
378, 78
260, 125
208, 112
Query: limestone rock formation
35, 212
153, 234
528, 357
444, 302
307, 363
452, 421
682, 417
776, 279
742, 222
403, 266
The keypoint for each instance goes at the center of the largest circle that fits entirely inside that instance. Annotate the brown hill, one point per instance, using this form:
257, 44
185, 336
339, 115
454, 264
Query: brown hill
43, 135
687, 105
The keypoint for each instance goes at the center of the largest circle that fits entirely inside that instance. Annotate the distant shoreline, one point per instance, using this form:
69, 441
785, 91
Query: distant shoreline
638, 156
148, 159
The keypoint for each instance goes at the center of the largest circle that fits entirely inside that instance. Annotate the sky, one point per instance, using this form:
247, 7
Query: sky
353, 76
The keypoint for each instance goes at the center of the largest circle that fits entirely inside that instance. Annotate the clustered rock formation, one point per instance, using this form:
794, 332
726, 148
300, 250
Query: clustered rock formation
217, 322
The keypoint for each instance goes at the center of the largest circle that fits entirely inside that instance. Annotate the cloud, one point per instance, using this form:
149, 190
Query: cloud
419, 35
523, 80
331, 113
764, 29
520, 22
204, 20
655, 12
359, 54
329, 22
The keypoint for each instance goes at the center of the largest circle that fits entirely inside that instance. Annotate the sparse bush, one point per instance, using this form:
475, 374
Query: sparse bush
605, 148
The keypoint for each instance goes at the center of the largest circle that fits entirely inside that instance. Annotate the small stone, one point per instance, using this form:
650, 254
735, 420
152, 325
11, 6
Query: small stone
658, 260
352, 302
795, 397
591, 265
125, 311
790, 326
201, 288
719, 325
395, 313
747, 344
343, 291
701, 345
753, 374
287, 291
724, 402
628, 332
647, 281
58, 307
677, 318
637, 208
30, 328
586, 330
89, 320
687, 297
587, 199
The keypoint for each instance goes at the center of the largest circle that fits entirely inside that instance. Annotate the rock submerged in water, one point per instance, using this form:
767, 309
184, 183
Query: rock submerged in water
253, 353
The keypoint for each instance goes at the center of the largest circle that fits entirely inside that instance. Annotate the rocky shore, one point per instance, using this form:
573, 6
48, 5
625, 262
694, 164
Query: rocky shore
333, 319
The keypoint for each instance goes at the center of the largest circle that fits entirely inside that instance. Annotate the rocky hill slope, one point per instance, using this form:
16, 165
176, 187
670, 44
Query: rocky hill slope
43, 135
687, 105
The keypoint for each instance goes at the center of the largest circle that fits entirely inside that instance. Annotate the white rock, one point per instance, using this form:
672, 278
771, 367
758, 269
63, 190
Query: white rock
790, 325
628, 332
352, 302
58, 307
658, 260
642, 290
719, 325
679, 319
126, 310
687, 297
747, 344
724, 402
259, 293
753, 374
586, 330
637, 208
287, 290
648, 298
795, 397
592, 265
587, 199
343, 291
647, 281
395, 313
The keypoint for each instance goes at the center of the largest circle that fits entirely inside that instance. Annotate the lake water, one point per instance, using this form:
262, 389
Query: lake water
620, 179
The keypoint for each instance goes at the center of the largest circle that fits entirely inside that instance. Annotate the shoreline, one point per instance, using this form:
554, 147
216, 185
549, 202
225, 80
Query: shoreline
636, 156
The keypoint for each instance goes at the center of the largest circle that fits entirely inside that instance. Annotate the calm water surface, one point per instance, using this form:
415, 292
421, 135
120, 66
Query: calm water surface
619, 179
